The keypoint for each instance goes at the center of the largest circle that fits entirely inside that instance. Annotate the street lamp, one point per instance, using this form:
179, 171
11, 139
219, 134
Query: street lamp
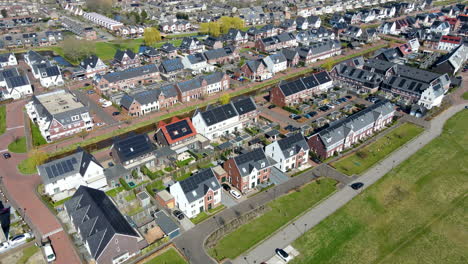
305, 228
245, 258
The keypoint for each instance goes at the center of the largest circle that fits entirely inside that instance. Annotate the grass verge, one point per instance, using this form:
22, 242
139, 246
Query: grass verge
27, 166
37, 137
465, 96
283, 210
363, 159
2, 119
414, 214
203, 215
18, 146
171, 256
27, 254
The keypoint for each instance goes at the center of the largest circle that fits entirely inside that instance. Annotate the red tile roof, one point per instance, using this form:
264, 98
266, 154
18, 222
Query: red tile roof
169, 138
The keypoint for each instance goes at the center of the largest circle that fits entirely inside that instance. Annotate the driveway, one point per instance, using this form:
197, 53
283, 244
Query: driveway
290, 233
277, 176
186, 224
94, 107
227, 199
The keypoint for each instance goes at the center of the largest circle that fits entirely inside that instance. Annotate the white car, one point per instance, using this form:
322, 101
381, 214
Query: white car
49, 252
283, 255
4, 246
102, 100
19, 239
106, 104
235, 194
100, 124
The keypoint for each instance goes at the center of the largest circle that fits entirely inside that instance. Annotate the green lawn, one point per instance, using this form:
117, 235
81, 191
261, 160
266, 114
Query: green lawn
155, 185
18, 146
203, 215
27, 166
465, 95
283, 210
130, 197
171, 256
115, 191
415, 214
2, 119
183, 163
363, 159
37, 137
27, 254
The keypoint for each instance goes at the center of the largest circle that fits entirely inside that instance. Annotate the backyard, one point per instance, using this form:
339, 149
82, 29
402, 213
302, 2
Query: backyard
414, 214
171, 256
283, 210
361, 160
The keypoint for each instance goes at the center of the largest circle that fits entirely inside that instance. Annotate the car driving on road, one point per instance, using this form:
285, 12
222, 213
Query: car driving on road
357, 185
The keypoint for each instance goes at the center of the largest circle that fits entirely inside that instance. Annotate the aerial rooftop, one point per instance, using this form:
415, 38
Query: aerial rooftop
59, 101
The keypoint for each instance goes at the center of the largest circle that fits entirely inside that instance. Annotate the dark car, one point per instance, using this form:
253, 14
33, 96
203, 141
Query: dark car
291, 128
178, 214
312, 114
6, 155
324, 108
90, 92
348, 97
297, 117
357, 185
226, 187
271, 106
116, 113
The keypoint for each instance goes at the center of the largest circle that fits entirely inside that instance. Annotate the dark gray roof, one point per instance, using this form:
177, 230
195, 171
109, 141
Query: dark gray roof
143, 98
169, 90
340, 129
248, 161
189, 85
196, 58
8, 73
402, 83
133, 146
5, 57
164, 152
219, 53
367, 78
62, 168
198, 184
301, 84
213, 78
166, 224
168, 48
245, 105
218, 114
90, 61
380, 66
210, 41
187, 41
284, 37
416, 74
130, 73
319, 48
289, 54
17, 81
119, 54
291, 145
35, 57
97, 219
322, 77
50, 71
171, 65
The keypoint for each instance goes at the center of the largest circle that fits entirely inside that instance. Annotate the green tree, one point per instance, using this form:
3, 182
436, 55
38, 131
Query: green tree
77, 49
137, 17
151, 36
143, 15
38, 157
99, 5
328, 65
4, 13
225, 99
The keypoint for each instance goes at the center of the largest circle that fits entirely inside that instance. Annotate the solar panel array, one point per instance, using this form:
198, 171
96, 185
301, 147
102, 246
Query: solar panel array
322, 77
52, 71
7, 73
255, 155
218, 114
292, 87
134, 146
173, 65
310, 81
61, 168
195, 181
179, 129
244, 106
17, 81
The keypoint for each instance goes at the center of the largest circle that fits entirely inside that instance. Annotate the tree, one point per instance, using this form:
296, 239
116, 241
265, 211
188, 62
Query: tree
151, 35
99, 5
77, 49
137, 17
328, 65
225, 99
4, 13
38, 157
143, 16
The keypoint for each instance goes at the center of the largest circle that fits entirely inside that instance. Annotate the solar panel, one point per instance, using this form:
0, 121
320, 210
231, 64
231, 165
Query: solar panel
54, 170
70, 165
59, 168
73, 160
179, 129
402, 82
49, 172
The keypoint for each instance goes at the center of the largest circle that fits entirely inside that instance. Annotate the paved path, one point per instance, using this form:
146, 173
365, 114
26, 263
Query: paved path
103, 115
291, 232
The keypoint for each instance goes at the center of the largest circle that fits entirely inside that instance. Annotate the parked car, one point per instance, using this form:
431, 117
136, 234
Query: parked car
100, 124
49, 252
324, 108
291, 128
330, 106
102, 100
19, 239
292, 116
4, 246
348, 97
90, 92
6, 155
235, 194
357, 185
283, 255
310, 114
106, 104
226, 187
178, 214
297, 117
271, 106
116, 113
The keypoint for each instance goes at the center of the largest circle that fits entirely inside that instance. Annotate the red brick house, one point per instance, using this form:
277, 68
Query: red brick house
284, 40
178, 134
126, 59
255, 70
248, 170
228, 54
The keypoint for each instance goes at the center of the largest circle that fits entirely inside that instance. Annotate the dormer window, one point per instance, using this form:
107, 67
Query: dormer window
291, 153
262, 165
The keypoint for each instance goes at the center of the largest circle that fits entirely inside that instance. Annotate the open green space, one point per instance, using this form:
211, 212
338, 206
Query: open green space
36, 135
465, 95
204, 215
27, 254
283, 210
171, 256
27, 166
415, 214
2, 119
18, 145
366, 157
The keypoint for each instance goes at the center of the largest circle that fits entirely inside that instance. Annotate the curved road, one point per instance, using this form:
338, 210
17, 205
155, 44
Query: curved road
21, 190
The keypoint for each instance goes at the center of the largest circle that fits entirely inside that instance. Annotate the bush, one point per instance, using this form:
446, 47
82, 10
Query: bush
291, 110
152, 175
125, 184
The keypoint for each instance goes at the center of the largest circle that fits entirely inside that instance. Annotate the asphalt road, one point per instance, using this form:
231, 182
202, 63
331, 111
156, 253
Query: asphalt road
93, 107
290, 233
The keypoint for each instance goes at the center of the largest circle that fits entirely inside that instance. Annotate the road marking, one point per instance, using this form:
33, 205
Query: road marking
3, 150
11, 128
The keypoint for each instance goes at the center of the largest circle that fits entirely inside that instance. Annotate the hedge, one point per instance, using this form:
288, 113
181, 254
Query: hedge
125, 184
292, 110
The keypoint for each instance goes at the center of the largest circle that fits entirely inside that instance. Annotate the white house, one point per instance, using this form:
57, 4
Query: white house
62, 177
141, 103
388, 28
8, 59
13, 85
225, 119
48, 74
276, 63
440, 27
289, 153
198, 193
196, 62
93, 65
431, 97
449, 43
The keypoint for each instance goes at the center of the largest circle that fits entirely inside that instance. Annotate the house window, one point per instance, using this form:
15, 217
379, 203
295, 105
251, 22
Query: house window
75, 118
209, 198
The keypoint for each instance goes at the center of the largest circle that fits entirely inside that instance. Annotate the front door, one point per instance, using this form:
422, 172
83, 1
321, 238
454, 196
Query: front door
201, 209
209, 206
253, 184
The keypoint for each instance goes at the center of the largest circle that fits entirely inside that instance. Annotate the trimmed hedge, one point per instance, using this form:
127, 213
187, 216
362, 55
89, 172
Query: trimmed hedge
291, 110
125, 184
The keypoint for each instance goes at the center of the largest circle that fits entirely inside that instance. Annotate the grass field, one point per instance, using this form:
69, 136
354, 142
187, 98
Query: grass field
283, 210
171, 256
27, 166
37, 137
465, 95
18, 146
2, 119
415, 214
363, 159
